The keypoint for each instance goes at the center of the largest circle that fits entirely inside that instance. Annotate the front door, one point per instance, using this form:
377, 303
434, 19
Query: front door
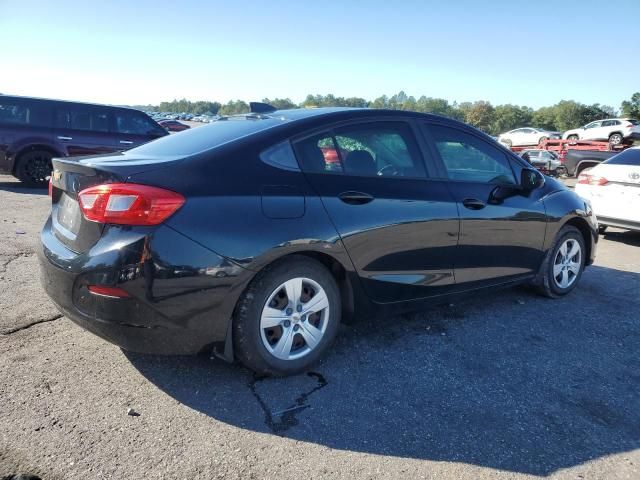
498, 241
399, 228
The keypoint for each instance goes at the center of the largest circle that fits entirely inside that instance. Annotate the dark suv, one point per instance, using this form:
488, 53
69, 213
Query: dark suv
34, 130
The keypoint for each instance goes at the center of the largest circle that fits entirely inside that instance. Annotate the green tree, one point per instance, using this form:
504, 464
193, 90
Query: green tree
508, 117
234, 107
631, 108
481, 115
280, 103
544, 117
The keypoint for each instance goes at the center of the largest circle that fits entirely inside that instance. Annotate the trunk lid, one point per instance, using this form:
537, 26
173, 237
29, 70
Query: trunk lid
72, 175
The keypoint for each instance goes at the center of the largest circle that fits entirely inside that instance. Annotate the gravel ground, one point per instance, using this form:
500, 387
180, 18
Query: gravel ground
509, 385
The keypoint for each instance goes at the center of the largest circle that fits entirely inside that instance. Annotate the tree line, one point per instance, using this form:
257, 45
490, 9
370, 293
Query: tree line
491, 119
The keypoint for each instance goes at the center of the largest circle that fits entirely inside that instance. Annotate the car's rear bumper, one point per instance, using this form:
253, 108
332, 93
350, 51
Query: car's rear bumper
633, 136
181, 297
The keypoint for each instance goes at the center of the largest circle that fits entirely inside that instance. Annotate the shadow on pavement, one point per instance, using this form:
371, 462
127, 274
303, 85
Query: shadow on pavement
512, 382
17, 187
624, 236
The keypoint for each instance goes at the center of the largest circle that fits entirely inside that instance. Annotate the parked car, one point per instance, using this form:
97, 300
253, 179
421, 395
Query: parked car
34, 130
613, 188
575, 161
278, 246
526, 136
546, 161
173, 125
615, 130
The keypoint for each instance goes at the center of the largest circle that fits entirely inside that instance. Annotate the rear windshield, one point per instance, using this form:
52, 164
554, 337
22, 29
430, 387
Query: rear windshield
628, 157
199, 139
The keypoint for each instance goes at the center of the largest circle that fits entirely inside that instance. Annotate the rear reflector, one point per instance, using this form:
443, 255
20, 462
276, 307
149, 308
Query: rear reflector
587, 179
50, 187
128, 204
105, 291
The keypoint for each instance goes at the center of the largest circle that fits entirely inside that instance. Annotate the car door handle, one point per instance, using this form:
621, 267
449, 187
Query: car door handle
473, 204
126, 142
66, 139
355, 198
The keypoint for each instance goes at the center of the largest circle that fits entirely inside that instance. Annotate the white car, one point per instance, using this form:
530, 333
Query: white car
615, 130
613, 188
526, 136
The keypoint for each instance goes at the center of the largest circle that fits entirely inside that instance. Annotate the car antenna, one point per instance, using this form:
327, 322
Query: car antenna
260, 107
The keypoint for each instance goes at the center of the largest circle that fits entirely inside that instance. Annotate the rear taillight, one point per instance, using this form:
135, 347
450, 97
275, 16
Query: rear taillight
128, 204
112, 292
587, 179
50, 188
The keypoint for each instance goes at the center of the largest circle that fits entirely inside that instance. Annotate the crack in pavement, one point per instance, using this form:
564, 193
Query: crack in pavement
287, 416
13, 258
29, 325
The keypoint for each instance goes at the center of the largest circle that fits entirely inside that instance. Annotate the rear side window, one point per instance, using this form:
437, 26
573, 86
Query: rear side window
384, 149
36, 114
469, 158
628, 157
135, 123
633, 122
78, 117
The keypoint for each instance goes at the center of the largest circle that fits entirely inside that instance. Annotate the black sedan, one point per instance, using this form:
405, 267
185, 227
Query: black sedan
255, 236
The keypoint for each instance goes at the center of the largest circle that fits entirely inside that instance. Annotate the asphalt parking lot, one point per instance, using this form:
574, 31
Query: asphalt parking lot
509, 385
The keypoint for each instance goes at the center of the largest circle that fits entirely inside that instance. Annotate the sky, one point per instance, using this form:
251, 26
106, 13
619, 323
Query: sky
138, 52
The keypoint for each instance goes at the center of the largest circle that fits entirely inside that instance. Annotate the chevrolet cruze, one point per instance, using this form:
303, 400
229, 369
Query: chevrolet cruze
255, 236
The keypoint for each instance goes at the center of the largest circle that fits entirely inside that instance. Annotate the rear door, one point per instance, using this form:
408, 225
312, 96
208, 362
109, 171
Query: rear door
83, 129
399, 227
133, 128
497, 240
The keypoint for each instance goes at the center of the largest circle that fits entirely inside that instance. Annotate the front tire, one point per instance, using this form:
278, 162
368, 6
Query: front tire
563, 266
34, 168
287, 318
573, 138
542, 139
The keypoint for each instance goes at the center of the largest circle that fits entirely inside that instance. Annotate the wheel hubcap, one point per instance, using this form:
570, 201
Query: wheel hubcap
294, 318
567, 263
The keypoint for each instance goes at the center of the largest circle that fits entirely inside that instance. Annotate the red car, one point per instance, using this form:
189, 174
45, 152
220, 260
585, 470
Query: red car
173, 125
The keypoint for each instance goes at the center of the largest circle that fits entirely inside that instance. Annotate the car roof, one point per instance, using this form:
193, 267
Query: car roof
72, 102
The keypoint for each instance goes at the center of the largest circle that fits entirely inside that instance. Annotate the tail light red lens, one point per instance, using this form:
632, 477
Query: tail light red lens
105, 291
128, 204
587, 179
50, 187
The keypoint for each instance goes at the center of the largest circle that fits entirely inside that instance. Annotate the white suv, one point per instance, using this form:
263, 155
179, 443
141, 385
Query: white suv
616, 130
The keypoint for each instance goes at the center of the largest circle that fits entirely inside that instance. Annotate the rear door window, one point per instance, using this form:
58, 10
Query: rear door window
468, 158
80, 117
383, 149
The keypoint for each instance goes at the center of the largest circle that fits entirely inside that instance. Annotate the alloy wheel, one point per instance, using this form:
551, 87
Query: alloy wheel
294, 318
567, 263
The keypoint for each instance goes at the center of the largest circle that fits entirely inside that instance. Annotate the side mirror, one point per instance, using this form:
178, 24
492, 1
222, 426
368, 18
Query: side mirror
530, 179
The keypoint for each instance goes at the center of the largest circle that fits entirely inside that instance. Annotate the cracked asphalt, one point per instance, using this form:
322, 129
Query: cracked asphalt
507, 385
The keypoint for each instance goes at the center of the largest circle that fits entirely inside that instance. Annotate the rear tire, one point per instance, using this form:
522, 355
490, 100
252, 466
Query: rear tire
615, 139
542, 139
274, 334
508, 143
562, 268
34, 168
